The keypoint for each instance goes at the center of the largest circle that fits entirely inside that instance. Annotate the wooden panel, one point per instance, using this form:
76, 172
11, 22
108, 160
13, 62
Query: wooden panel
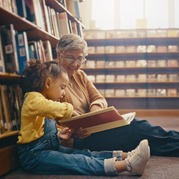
8, 159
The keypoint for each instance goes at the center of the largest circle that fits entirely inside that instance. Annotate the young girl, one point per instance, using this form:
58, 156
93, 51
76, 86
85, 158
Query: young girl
39, 140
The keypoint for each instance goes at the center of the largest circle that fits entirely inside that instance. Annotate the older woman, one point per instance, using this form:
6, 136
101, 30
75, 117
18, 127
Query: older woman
84, 96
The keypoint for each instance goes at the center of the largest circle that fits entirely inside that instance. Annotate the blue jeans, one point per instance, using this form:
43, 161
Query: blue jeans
47, 156
162, 142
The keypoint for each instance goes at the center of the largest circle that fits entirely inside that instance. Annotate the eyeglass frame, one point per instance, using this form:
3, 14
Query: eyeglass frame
72, 59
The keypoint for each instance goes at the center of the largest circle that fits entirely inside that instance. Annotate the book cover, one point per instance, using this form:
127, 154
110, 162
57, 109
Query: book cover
2, 66
45, 16
97, 121
22, 50
73, 7
34, 12
21, 9
2, 117
9, 48
48, 50
33, 50
63, 25
6, 108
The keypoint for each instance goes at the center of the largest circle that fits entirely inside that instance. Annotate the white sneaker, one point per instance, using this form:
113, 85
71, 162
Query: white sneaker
137, 158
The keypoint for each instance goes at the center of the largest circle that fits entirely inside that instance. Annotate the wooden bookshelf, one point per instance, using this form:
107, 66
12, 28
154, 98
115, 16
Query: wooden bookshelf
136, 68
35, 32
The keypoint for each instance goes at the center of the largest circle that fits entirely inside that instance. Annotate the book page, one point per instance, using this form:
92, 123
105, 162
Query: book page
98, 120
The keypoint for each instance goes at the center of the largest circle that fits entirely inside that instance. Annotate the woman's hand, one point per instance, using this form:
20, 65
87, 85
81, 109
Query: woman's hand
95, 107
80, 133
65, 133
75, 114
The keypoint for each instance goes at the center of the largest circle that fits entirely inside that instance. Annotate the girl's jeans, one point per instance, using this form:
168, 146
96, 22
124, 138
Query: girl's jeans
47, 156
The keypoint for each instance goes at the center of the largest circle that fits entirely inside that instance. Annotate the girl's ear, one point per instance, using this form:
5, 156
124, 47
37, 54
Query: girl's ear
48, 83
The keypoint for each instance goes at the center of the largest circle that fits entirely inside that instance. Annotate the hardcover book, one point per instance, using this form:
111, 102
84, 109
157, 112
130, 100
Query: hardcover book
22, 50
97, 121
9, 48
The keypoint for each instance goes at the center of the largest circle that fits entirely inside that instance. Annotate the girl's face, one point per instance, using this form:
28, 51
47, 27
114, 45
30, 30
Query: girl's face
71, 60
55, 88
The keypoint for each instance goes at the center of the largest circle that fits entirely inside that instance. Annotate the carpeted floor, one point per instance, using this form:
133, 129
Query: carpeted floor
157, 167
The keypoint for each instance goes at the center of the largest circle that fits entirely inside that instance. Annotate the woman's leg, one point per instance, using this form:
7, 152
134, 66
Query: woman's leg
162, 142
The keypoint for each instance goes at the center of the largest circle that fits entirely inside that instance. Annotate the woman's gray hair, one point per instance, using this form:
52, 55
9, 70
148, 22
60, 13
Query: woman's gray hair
72, 42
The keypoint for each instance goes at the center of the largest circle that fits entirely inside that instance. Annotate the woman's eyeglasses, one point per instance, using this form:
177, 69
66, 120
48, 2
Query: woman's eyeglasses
71, 59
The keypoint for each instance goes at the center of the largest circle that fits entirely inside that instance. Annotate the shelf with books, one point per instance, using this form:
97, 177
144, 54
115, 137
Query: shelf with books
21, 24
147, 103
37, 32
136, 64
7, 78
8, 134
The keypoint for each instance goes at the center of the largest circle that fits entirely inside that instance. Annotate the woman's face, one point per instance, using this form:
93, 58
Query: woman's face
71, 60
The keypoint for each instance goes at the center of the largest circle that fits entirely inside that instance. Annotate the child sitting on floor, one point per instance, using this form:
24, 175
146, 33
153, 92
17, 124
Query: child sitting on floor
39, 140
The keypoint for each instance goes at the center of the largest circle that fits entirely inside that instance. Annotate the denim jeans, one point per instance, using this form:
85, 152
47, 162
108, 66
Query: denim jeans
47, 156
126, 138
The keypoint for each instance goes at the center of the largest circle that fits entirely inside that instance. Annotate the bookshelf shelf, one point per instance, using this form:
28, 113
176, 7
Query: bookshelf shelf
7, 78
60, 8
134, 41
21, 24
136, 55
137, 67
8, 134
41, 26
129, 70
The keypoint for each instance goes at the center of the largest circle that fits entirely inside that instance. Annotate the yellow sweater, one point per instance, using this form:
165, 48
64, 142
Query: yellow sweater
34, 109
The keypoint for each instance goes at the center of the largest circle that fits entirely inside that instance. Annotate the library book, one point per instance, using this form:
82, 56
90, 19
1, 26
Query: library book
98, 121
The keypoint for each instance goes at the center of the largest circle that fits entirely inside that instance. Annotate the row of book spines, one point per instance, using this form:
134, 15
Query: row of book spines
150, 92
10, 102
16, 50
130, 33
130, 63
133, 49
109, 78
45, 17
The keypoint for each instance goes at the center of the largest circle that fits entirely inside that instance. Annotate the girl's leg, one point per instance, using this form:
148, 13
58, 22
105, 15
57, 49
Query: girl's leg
164, 143
55, 162
119, 154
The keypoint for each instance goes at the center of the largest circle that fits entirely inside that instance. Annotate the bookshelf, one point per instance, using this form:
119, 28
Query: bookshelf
136, 68
47, 26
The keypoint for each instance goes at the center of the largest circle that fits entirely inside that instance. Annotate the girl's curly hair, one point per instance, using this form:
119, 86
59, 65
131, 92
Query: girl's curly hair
37, 72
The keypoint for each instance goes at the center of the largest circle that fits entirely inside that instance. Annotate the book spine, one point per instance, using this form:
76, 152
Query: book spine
2, 66
22, 50
21, 9
6, 108
9, 48
77, 10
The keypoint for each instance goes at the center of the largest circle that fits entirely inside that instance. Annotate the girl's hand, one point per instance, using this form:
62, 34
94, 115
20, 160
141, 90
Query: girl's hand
65, 133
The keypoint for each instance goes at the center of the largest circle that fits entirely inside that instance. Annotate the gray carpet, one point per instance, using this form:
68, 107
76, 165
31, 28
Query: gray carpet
157, 167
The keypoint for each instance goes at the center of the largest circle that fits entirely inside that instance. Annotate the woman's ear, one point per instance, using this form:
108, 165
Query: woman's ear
48, 83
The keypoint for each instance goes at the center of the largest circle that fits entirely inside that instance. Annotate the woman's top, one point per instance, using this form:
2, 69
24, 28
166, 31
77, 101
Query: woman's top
34, 110
82, 93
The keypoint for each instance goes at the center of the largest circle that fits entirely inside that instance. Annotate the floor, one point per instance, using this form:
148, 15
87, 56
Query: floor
157, 167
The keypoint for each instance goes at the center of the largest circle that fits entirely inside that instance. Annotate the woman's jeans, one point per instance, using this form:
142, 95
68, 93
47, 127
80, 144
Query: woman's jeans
47, 156
126, 138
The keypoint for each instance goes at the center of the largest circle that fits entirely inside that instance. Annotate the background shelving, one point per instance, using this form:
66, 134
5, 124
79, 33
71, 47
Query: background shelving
135, 69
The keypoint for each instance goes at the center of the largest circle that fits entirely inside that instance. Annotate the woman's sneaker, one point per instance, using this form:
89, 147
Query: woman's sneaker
137, 158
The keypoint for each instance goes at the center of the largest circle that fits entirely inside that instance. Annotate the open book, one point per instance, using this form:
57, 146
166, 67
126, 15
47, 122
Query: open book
97, 121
